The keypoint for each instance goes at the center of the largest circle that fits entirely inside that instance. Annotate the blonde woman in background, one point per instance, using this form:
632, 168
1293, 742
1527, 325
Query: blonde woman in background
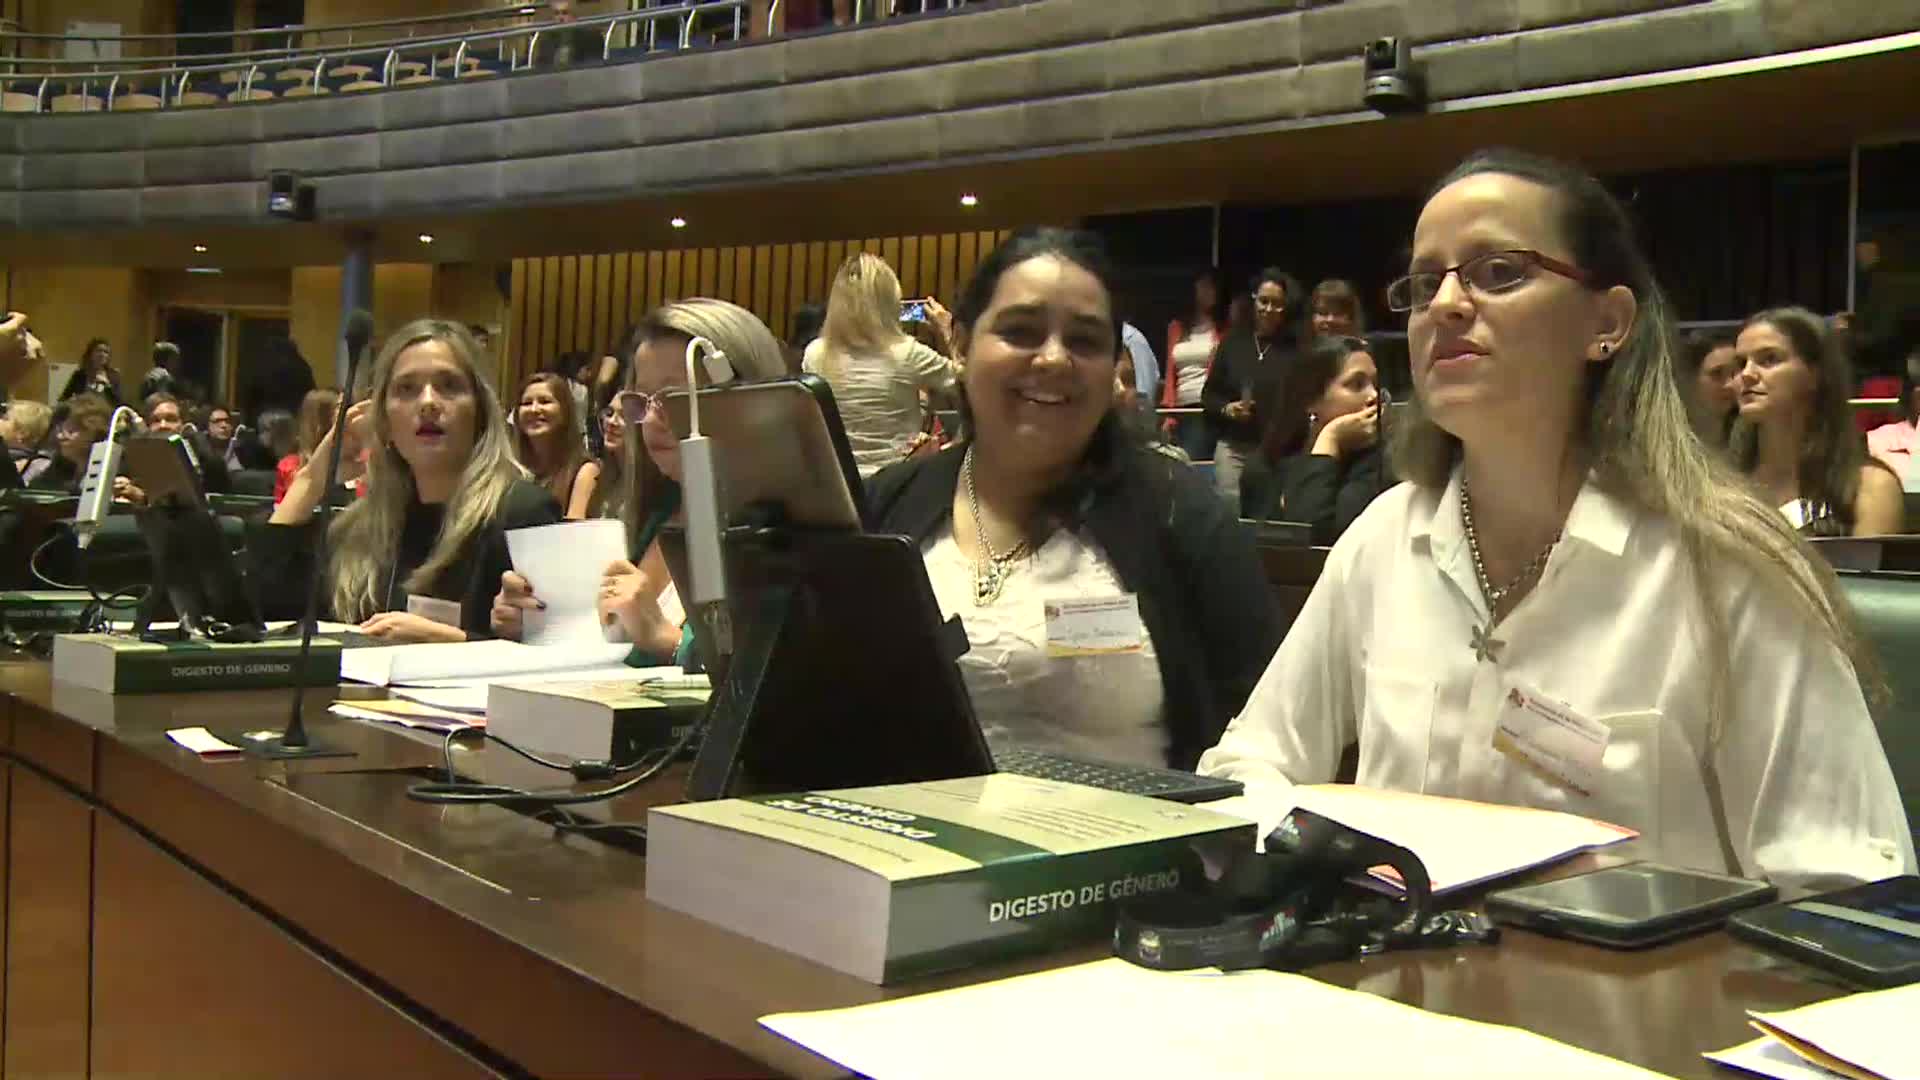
547, 435
640, 599
876, 371
419, 557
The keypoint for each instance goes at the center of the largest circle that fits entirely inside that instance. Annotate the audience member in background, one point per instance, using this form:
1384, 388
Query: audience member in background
546, 437
163, 415
876, 371
1893, 444
159, 378
277, 379
1049, 500
1190, 349
601, 490
579, 368
19, 349
1246, 371
96, 373
803, 328
641, 599
1796, 438
419, 557
28, 427
220, 428
1710, 381
81, 421
1565, 537
1144, 365
1321, 462
262, 448
317, 412
1337, 311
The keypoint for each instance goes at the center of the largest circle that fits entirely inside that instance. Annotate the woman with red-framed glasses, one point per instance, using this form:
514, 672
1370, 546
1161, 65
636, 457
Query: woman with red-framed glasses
1574, 604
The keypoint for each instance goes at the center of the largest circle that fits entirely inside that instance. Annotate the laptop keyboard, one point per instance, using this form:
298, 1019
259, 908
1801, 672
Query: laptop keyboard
1145, 780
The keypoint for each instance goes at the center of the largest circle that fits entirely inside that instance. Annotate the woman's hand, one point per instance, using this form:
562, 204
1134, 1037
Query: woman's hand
124, 488
941, 318
514, 598
359, 430
404, 628
625, 599
1349, 434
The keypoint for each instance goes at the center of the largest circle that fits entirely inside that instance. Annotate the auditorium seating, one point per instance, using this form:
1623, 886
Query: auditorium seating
1888, 606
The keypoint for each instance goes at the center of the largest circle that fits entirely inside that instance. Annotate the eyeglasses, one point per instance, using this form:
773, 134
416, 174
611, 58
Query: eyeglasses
635, 406
1494, 272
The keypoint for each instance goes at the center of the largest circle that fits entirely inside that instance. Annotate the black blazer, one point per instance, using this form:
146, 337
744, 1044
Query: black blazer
1319, 491
1174, 542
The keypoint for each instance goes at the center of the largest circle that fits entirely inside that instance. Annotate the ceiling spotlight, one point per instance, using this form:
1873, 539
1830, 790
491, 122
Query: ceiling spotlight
678, 222
969, 200
199, 249
426, 238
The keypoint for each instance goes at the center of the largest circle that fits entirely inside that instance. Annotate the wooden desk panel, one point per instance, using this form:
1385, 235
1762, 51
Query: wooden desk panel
54, 744
188, 982
49, 900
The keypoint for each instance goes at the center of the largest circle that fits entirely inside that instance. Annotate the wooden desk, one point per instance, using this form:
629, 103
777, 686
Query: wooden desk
256, 918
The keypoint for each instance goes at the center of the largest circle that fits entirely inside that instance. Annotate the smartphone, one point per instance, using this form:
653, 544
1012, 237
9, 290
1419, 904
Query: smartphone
913, 311
1630, 906
1869, 934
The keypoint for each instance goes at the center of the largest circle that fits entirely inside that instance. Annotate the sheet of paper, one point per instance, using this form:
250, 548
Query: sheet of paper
384, 665
1767, 1057
1110, 1019
1871, 1031
1462, 843
470, 695
406, 714
202, 742
564, 564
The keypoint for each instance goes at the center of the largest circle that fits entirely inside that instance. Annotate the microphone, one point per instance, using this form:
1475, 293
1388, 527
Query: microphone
293, 742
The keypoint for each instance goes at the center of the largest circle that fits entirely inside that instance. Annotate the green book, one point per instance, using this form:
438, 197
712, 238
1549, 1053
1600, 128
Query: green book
891, 883
42, 611
617, 720
124, 665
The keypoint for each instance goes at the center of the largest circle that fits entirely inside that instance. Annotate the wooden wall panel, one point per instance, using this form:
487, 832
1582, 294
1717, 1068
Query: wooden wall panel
49, 947
586, 302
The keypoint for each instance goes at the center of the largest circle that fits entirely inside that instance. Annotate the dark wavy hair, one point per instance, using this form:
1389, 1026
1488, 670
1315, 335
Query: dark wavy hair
1303, 382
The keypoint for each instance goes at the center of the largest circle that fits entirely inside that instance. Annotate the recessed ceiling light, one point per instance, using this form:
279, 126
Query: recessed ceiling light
678, 222
203, 269
969, 200
426, 238
199, 249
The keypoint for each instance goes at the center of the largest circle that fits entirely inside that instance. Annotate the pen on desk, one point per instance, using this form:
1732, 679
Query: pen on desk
677, 682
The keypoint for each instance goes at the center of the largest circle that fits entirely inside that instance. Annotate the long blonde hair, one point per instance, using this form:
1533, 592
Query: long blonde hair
365, 538
863, 313
1643, 446
750, 347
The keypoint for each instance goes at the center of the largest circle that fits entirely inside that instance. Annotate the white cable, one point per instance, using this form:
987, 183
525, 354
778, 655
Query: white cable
113, 422
693, 383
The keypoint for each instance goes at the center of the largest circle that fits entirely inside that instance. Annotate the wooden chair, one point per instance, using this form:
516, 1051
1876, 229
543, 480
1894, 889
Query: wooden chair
351, 72
294, 75
361, 86
232, 76
192, 98
417, 80
305, 90
65, 103
135, 102
468, 62
258, 93
15, 101
477, 73
408, 67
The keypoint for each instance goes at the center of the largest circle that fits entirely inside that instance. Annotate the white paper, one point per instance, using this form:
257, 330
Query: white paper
470, 695
1112, 1020
565, 563
201, 741
442, 724
386, 665
1768, 1056
1461, 843
1871, 1031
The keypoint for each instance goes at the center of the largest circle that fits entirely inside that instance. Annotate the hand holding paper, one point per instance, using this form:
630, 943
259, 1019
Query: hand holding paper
563, 563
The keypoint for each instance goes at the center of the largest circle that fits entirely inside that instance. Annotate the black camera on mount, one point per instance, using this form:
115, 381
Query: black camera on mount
1392, 85
289, 196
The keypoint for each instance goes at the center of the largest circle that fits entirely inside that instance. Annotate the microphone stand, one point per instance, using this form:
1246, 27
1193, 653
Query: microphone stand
294, 742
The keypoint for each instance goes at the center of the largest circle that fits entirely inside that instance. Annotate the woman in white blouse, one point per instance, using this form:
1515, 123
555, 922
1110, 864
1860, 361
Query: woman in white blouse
877, 372
1574, 605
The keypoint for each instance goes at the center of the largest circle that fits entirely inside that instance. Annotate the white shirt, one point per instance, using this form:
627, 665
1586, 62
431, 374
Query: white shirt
1107, 706
1191, 359
878, 395
1382, 653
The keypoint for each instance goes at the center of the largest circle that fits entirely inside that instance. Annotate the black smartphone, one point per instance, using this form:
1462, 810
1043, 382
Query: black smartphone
1869, 934
1630, 906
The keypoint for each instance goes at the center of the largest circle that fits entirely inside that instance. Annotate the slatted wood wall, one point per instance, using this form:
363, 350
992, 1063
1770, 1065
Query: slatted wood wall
585, 302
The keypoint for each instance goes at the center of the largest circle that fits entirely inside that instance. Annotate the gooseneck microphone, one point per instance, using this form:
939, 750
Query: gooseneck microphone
293, 742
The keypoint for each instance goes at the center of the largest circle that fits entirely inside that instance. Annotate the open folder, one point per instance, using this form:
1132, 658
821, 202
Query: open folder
1862, 1037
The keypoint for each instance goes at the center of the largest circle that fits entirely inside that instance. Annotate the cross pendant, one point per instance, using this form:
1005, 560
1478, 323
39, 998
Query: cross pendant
1485, 648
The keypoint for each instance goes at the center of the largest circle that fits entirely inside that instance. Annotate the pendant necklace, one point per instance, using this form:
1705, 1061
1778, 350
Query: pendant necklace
989, 574
1485, 647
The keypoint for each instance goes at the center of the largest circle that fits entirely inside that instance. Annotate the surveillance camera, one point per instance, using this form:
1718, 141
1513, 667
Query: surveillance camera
1392, 85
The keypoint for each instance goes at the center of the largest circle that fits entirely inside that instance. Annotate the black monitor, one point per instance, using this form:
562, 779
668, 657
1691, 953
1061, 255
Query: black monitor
192, 567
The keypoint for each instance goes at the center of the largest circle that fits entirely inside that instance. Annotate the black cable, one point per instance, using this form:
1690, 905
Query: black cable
453, 792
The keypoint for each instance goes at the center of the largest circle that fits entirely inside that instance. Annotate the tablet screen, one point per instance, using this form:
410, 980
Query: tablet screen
1631, 894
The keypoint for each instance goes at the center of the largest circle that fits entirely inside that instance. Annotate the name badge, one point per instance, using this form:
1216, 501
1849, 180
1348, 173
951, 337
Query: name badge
1550, 738
444, 612
1094, 626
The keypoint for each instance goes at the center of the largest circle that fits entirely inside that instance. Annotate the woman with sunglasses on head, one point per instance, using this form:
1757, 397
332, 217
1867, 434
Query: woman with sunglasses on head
1052, 502
1795, 437
1240, 388
637, 595
1320, 462
1574, 604
417, 559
